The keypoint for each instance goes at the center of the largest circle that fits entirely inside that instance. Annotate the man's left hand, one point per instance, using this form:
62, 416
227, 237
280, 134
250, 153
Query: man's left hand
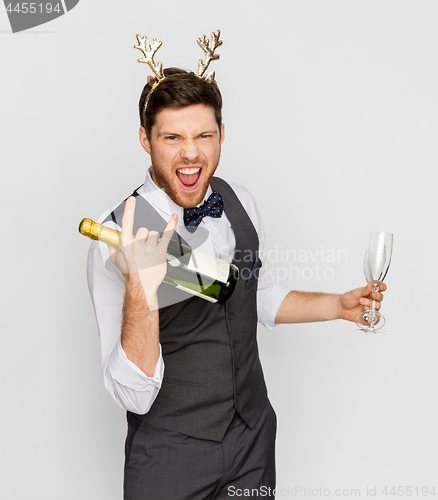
359, 299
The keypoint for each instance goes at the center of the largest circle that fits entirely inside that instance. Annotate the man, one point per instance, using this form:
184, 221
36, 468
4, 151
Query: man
200, 425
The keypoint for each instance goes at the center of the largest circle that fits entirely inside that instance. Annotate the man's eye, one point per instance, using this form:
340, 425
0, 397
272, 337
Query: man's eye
205, 136
170, 138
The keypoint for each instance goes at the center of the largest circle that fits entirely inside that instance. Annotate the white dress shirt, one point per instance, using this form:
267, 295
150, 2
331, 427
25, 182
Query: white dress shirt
131, 388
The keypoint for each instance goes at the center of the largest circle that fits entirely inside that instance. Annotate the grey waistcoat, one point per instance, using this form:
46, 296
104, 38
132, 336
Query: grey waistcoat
212, 365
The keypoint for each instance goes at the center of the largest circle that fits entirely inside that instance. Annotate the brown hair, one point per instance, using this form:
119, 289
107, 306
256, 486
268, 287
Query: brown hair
180, 88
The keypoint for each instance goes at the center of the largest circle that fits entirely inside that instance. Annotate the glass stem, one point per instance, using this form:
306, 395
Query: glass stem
373, 302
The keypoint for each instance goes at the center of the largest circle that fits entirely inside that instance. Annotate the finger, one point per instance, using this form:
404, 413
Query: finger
142, 234
128, 221
368, 302
377, 296
111, 250
381, 285
168, 232
153, 237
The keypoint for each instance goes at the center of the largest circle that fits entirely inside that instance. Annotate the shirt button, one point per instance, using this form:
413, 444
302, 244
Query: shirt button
230, 315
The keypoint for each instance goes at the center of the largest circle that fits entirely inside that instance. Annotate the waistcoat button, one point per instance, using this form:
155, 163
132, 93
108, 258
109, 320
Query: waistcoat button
230, 315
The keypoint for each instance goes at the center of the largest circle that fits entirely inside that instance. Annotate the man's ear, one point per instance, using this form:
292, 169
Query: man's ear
144, 141
222, 133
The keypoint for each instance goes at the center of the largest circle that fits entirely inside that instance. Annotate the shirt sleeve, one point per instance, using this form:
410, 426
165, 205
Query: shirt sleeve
131, 388
270, 294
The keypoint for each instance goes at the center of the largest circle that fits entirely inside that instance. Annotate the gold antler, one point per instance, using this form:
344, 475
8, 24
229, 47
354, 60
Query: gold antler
208, 47
149, 52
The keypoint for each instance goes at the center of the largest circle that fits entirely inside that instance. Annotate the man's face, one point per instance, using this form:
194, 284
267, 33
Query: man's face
185, 148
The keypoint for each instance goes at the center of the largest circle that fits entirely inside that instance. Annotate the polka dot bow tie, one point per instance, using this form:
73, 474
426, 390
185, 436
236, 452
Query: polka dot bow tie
213, 207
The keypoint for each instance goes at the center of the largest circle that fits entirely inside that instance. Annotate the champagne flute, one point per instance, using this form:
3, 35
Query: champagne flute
376, 264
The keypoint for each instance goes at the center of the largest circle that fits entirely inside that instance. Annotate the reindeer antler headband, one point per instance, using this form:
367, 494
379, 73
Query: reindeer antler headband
149, 51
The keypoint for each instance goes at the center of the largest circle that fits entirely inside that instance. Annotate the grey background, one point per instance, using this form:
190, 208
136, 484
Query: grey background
331, 122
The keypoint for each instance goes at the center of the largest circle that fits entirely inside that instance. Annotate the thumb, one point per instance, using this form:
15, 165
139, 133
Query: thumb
363, 291
112, 251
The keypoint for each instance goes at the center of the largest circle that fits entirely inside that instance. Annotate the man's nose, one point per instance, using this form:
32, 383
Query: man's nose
189, 150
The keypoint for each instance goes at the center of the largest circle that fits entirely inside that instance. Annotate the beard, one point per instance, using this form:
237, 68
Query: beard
166, 179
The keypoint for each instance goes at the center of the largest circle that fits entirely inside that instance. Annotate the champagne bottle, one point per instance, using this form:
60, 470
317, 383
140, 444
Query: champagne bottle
188, 269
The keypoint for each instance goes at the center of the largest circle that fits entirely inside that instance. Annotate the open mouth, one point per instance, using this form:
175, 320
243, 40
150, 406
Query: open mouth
189, 177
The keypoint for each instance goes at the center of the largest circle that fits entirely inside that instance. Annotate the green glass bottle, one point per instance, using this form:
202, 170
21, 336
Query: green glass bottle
188, 269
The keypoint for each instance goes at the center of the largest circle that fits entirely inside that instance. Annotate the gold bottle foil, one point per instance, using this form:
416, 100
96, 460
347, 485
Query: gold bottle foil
96, 231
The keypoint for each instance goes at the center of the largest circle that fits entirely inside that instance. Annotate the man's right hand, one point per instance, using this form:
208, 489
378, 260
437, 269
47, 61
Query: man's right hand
142, 256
